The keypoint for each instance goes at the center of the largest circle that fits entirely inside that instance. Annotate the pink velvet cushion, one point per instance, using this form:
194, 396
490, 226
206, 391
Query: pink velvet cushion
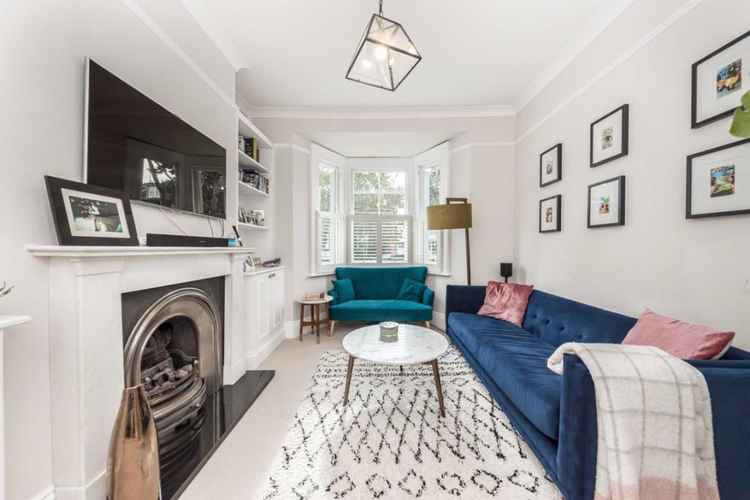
506, 301
684, 340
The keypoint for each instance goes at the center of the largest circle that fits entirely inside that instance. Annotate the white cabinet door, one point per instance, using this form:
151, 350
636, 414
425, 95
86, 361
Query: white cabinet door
277, 294
264, 311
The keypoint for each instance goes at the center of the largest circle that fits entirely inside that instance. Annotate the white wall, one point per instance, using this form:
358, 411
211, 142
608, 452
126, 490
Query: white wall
697, 270
42, 50
481, 168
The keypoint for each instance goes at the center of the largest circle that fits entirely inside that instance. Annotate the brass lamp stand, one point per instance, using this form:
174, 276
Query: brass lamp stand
455, 214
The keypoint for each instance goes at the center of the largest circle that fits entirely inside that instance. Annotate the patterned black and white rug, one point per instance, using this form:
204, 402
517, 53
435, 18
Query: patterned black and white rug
389, 443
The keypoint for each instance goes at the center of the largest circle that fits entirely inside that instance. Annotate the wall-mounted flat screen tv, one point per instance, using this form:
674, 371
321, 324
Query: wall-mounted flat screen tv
135, 145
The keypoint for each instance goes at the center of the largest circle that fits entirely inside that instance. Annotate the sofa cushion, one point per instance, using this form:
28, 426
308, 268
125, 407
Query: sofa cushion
678, 338
380, 283
411, 290
344, 290
381, 310
506, 301
471, 329
516, 361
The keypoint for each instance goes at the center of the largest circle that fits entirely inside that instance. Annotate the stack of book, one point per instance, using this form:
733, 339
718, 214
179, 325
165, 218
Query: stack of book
256, 180
249, 146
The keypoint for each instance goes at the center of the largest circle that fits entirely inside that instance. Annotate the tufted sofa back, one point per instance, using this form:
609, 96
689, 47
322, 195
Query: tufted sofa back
558, 320
380, 283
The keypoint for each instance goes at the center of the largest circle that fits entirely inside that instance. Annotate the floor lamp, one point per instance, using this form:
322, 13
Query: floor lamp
455, 214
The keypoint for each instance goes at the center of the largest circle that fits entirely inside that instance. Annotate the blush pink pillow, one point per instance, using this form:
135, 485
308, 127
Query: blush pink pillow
507, 301
680, 339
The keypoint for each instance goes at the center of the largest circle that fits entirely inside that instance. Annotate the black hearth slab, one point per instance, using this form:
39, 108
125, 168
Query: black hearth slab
223, 411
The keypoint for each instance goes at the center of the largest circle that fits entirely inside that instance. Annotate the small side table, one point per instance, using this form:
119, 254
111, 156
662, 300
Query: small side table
314, 323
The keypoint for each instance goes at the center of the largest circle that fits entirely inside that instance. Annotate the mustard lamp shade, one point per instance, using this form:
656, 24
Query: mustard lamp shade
455, 214
450, 216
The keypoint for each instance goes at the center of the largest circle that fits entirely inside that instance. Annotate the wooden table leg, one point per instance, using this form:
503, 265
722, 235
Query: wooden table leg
316, 313
301, 320
349, 371
438, 386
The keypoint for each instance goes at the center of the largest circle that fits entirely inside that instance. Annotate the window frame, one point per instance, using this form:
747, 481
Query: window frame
380, 218
434, 158
320, 156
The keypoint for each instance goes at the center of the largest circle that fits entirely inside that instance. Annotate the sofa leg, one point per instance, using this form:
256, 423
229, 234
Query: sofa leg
333, 325
427, 324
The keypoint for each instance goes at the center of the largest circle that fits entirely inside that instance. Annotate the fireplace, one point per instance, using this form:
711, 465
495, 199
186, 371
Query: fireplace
101, 294
173, 338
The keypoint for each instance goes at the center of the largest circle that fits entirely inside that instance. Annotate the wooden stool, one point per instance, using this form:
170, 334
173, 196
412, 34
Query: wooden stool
314, 322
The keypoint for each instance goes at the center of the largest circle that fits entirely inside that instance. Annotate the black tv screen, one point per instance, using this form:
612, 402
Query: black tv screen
136, 146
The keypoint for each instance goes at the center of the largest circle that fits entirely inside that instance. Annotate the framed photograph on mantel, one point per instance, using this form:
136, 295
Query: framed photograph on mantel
719, 81
607, 203
550, 214
609, 137
718, 181
550, 166
89, 215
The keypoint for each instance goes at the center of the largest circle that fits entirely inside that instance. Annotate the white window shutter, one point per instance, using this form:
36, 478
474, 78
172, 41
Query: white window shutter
364, 241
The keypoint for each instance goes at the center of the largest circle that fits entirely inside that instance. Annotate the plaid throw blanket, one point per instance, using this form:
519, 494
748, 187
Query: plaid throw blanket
655, 433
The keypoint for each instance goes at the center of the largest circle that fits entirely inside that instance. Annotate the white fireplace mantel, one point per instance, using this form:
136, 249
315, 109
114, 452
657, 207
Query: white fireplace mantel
6, 322
86, 341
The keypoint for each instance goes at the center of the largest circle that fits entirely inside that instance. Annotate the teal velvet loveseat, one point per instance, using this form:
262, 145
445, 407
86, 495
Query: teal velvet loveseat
375, 296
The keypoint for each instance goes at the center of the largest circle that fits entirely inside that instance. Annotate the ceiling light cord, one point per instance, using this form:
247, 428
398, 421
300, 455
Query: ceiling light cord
381, 8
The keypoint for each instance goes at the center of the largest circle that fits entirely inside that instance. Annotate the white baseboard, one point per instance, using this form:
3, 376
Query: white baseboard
270, 343
438, 320
46, 494
291, 329
96, 489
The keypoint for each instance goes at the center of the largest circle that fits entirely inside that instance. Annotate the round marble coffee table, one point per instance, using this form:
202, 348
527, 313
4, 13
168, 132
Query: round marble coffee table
415, 345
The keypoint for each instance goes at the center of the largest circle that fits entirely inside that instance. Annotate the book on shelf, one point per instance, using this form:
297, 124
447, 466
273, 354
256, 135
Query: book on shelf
249, 146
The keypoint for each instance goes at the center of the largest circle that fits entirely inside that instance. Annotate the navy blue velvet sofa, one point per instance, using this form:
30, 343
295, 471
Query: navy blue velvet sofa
556, 414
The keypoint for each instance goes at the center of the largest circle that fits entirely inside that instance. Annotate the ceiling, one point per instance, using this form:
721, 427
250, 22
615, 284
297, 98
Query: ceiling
475, 53
380, 144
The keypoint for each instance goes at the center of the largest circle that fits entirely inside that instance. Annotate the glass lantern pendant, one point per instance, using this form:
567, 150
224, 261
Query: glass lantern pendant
385, 55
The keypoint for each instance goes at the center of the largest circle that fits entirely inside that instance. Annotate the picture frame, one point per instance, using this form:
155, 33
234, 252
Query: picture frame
550, 165
86, 215
606, 203
719, 80
550, 214
609, 137
718, 181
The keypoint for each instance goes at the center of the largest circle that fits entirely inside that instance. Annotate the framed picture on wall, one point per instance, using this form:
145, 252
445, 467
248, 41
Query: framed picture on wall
719, 81
718, 181
550, 214
90, 215
609, 137
550, 166
607, 203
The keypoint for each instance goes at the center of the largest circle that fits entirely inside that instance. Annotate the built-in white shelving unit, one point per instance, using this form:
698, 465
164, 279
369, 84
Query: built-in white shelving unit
250, 197
253, 226
247, 188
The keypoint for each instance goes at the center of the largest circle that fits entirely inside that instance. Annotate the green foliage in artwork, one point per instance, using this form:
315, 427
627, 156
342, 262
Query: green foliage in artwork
741, 122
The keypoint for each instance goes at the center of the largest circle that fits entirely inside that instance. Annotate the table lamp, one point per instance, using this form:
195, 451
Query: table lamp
455, 214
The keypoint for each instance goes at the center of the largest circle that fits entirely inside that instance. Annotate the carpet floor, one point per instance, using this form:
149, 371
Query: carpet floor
389, 442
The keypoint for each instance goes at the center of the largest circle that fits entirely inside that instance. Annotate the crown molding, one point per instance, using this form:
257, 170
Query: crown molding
624, 57
380, 113
200, 16
547, 77
486, 144
149, 21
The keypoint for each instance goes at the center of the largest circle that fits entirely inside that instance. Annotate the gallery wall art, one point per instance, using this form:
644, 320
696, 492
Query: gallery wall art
719, 80
550, 166
550, 214
609, 137
718, 181
606, 203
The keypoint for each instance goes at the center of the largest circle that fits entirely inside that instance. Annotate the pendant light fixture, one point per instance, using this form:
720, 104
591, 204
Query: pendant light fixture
385, 55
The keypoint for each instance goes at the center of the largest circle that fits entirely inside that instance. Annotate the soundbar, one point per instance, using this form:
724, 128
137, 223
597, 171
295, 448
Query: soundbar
176, 240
